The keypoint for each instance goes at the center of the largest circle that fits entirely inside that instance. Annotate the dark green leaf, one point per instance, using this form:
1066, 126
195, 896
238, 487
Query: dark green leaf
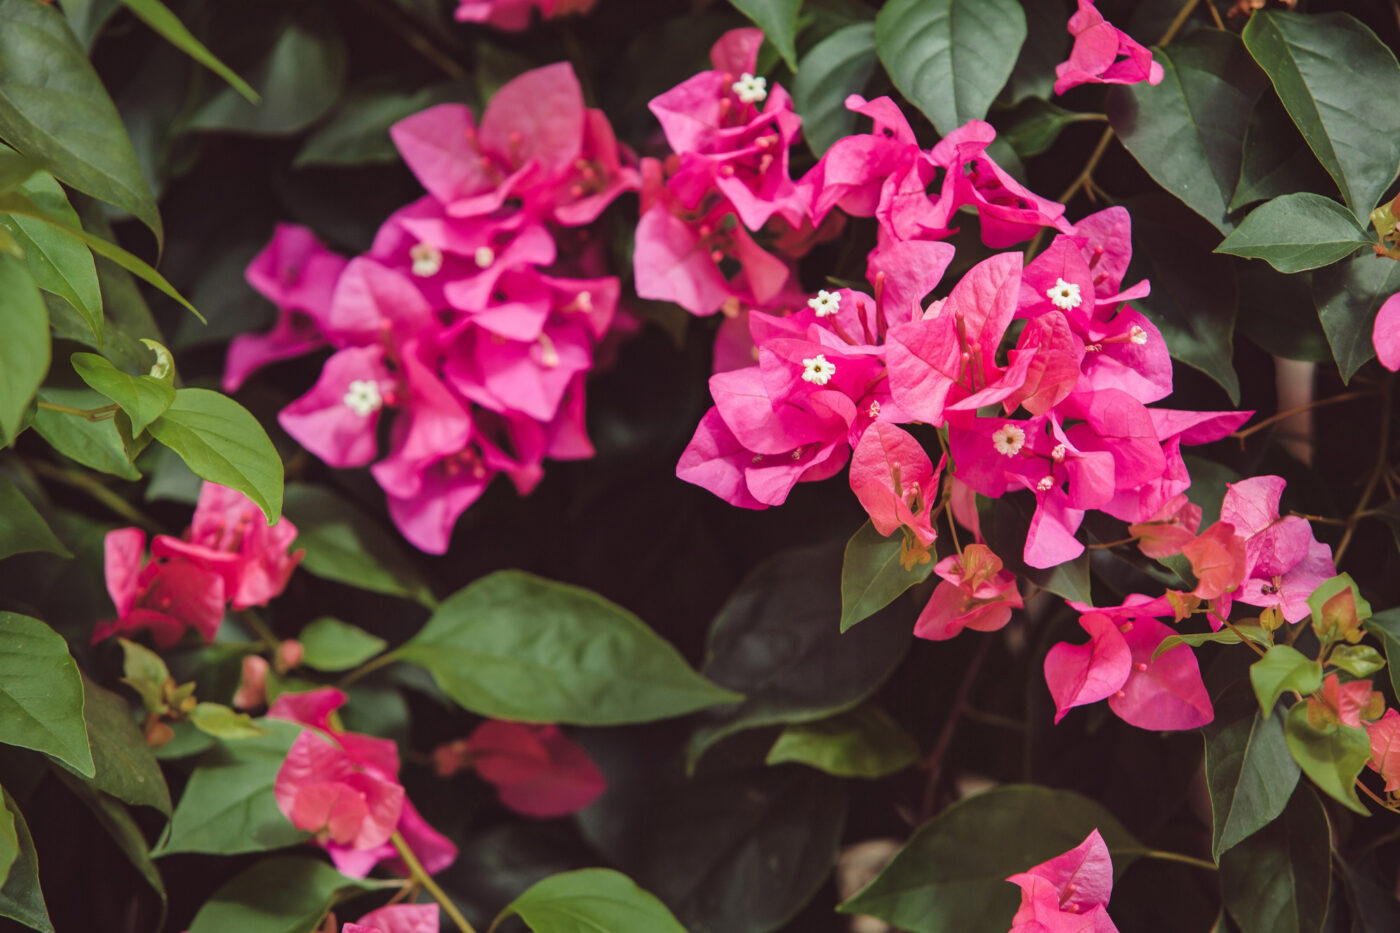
22, 528
1277, 313
122, 827
1034, 126
95, 444
1278, 880
864, 743
281, 895
347, 546
516, 646
951, 874
223, 723
591, 900
221, 442
835, 68
1250, 775
143, 398
333, 645
872, 576
775, 641
1034, 74
1314, 62
126, 769
59, 264
778, 20
358, 132
1297, 232
54, 109
1332, 756
1280, 670
228, 807
41, 693
1387, 626
1277, 159
1347, 296
87, 17
24, 342
158, 16
1188, 131
950, 58
21, 898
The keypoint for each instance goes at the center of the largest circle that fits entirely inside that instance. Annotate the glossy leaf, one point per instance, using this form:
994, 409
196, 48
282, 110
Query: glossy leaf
54, 109
22, 528
1277, 159
516, 646
1314, 62
21, 898
835, 68
589, 900
1278, 880
863, 743
1188, 131
24, 343
950, 58
95, 444
333, 645
1348, 295
872, 576
125, 767
41, 703
143, 398
221, 442
281, 895
778, 20
951, 874
60, 264
1250, 775
775, 641
1332, 756
158, 16
1297, 232
1280, 670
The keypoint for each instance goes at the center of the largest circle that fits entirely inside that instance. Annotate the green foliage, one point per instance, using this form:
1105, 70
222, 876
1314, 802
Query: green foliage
836, 67
59, 263
1280, 670
24, 344
778, 20
125, 767
290, 894
872, 576
223, 723
144, 398
1296, 232
1280, 878
1332, 755
158, 16
333, 645
589, 900
21, 898
1347, 296
863, 743
22, 528
41, 703
1250, 775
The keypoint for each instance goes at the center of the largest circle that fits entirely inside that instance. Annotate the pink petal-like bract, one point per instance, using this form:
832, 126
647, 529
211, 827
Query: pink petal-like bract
1162, 693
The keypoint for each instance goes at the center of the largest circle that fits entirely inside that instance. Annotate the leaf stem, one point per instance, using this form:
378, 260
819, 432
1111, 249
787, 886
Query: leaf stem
1086, 175
91, 414
1163, 856
1297, 410
369, 667
1248, 641
1181, 17
85, 483
415, 868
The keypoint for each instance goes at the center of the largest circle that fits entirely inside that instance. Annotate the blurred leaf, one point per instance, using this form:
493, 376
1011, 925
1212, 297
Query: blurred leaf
9, 843
1280, 670
158, 16
1314, 62
863, 743
23, 529
126, 833
1188, 131
775, 641
950, 58
951, 874
41, 705
24, 343
87, 17
289, 894
1277, 159
1034, 126
358, 132
1332, 756
54, 109
1279, 878
778, 20
1005, 522
59, 264
1277, 313
1297, 232
1034, 74
95, 444
125, 767
872, 576
1347, 296
1386, 625
333, 645
220, 441
590, 900
1250, 775
221, 722
143, 398
516, 646
1357, 660
835, 68
21, 898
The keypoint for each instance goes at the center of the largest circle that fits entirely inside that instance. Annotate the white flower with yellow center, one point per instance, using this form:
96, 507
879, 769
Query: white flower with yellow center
818, 370
1064, 295
750, 89
363, 398
826, 303
1008, 440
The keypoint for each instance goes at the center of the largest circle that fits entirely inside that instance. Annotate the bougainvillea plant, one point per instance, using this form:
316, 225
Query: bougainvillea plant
949, 472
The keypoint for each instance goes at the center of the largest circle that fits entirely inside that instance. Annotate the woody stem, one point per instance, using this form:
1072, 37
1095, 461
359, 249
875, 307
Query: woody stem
415, 868
1376, 473
1296, 410
934, 762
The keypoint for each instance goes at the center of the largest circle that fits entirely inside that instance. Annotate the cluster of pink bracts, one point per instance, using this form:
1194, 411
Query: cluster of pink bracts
474, 316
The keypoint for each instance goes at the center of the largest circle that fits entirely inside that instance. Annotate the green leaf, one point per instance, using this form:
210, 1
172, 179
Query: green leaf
1297, 232
1317, 602
87, 17
863, 743
358, 132
1226, 636
145, 672
300, 79
516, 646
41, 693
125, 767
95, 444
1357, 660
951, 874
24, 342
1278, 880
143, 398
835, 68
21, 898
1034, 74
280, 895
117, 820
1331, 756
1347, 296
1314, 62
774, 640
9, 843
1386, 625
345, 545
333, 645
872, 576
950, 58
22, 528
1277, 314
1250, 775
221, 722
221, 442
591, 900
1034, 126
228, 807
158, 16
778, 20
59, 264
1277, 159
1188, 131
54, 109
1280, 670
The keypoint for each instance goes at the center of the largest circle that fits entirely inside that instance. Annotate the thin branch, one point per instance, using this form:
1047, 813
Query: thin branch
1382, 453
1297, 410
415, 868
934, 762
1181, 17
